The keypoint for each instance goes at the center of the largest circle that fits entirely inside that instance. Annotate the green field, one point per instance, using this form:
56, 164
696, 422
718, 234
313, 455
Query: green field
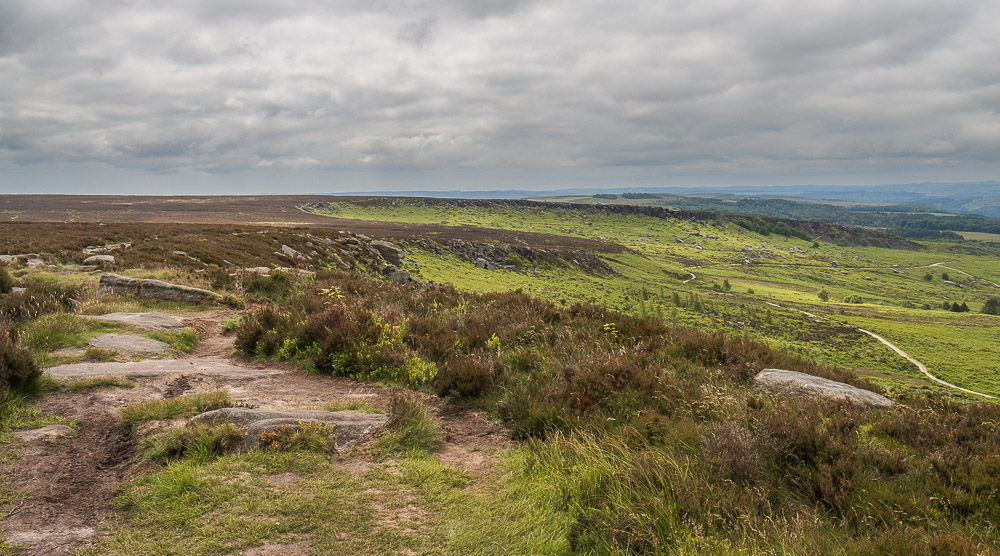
902, 291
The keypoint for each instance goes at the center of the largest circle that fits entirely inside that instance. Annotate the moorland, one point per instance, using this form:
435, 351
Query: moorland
557, 378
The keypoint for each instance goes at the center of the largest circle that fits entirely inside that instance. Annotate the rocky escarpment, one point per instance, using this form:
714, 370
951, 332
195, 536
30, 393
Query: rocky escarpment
517, 258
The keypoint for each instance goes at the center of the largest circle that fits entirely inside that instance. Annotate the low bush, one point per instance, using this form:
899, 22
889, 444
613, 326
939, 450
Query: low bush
313, 436
6, 282
17, 366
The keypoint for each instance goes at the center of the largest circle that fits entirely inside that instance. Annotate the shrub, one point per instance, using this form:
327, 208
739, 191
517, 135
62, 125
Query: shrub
992, 306
6, 282
465, 376
823, 295
853, 299
17, 366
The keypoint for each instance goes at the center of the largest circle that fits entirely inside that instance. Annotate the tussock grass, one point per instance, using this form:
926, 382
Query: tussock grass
98, 382
197, 442
182, 406
410, 428
351, 404
184, 341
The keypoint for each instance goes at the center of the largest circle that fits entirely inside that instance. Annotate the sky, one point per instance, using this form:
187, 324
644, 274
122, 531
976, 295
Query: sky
300, 96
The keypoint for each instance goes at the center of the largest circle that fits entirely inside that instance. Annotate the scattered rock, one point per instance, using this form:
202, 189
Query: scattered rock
116, 284
131, 344
148, 321
400, 277
99, 259
288, 251
800, 384
50, 432
349, 426
388, 251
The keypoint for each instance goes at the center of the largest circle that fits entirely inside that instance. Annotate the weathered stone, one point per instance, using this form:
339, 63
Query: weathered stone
400, 277
208, 366
388, 251
153, 289
99, 259
288, 251
46, 433
131, 344
349, 426
800, 384
148, 321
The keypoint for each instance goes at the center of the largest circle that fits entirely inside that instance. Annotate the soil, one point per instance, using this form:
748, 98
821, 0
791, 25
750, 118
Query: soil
68, 484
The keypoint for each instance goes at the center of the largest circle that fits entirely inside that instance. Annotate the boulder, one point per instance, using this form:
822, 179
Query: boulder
115, 284
289, 252
794, 383
388, 251
400, 277
99, 259
348, 426
131, 344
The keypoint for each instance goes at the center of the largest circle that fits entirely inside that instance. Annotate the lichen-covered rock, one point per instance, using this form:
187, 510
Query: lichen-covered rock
149, 321
800, 384
99, 259
116, 284
348, 426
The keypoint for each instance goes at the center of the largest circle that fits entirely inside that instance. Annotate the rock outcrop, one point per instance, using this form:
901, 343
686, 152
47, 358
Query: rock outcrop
116, 284
148, 321
795, 383
348, 426
99, 259
130, 344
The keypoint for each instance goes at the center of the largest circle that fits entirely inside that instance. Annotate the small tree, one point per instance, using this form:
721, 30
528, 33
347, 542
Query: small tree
928, 276
945, 305
823, 295
963, 308
992, 306
944, 276
726, 285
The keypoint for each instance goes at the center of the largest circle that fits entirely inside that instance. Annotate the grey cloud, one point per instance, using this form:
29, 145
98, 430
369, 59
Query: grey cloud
542, 90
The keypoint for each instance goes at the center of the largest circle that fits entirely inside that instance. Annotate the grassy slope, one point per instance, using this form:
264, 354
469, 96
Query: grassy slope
885, 279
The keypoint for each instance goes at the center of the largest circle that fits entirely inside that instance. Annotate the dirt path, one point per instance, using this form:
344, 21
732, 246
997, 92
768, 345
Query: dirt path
907, 356
941, 265
921, 366
68, 484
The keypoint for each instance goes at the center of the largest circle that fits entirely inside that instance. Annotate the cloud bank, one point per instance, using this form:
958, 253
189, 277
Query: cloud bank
234, 95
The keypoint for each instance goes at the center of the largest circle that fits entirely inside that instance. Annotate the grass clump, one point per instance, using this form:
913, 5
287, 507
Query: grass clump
185, 341
81, 384
410, 428
198, 442
62, 330
182, 406
353, 404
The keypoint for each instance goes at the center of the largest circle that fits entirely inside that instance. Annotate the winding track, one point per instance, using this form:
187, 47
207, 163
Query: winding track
907, 356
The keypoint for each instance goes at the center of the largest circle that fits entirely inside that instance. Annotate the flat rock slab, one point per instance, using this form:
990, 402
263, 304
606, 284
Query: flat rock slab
46, 433
148, 321
348, 426
116, 284
131, 344
210, 366
800, 384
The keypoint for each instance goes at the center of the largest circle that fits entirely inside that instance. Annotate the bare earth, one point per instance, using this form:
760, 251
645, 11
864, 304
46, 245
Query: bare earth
69, 483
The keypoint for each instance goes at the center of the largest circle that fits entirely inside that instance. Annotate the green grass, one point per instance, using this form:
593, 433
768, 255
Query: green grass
410, 429
888, 280
414, 504
81, 384
184, 341
353, 404
181, 406
61, 330
196, 442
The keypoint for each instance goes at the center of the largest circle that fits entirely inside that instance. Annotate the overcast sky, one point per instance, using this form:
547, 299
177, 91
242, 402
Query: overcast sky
241, 96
